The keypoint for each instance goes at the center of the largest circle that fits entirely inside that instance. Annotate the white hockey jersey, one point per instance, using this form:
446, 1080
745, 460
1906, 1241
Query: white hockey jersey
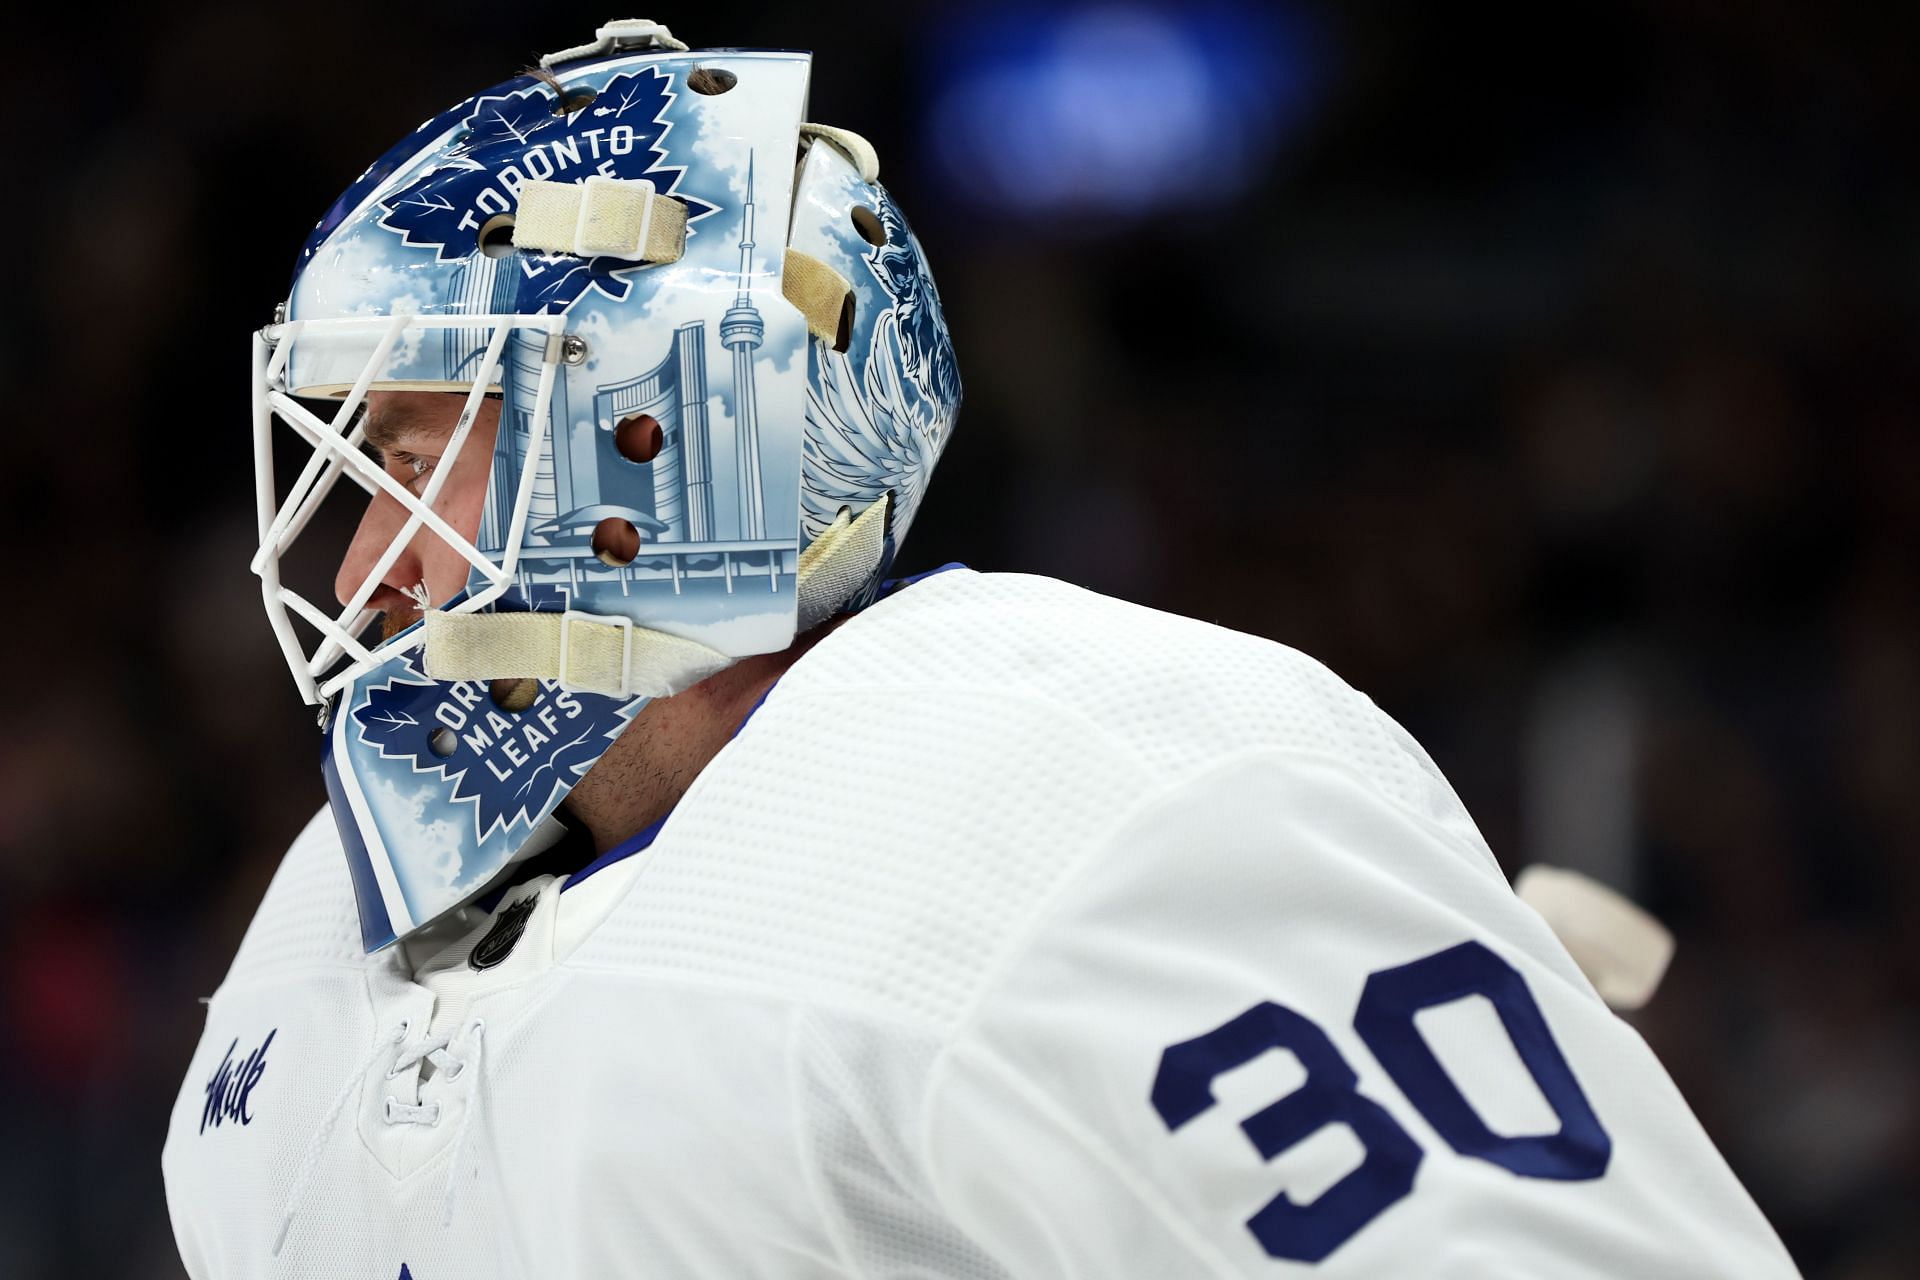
1021, 932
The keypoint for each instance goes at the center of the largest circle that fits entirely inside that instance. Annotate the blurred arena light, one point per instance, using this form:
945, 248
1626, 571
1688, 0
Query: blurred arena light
1115, 112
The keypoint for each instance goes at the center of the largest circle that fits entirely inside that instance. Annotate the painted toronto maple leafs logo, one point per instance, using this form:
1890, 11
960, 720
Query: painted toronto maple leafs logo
510, 138
507, 765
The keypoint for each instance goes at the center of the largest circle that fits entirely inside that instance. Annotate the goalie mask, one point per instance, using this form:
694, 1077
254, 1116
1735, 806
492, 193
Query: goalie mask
701, 358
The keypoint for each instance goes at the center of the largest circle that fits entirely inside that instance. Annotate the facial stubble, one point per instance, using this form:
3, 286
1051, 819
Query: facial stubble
394, 621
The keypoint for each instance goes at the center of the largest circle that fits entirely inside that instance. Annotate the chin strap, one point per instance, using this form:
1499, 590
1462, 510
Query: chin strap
589, 651
610, 655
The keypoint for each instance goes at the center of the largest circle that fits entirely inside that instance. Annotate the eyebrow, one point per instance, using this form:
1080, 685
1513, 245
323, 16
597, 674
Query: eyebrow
397, 422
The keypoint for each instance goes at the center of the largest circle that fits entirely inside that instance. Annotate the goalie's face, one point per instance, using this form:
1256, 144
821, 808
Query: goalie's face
407, 434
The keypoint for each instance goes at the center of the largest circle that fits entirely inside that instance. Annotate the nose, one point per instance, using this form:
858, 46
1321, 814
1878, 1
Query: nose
380, 523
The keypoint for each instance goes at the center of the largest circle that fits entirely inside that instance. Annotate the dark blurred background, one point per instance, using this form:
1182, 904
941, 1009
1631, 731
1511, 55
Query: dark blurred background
1550, 373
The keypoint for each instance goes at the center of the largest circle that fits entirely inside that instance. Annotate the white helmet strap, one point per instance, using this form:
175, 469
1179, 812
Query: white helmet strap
841, 561
620, 34
610, 655
852, 145
601, 217
592, 652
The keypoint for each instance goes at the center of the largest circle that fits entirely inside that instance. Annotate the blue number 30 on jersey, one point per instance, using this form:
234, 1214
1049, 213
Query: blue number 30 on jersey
1183, 1089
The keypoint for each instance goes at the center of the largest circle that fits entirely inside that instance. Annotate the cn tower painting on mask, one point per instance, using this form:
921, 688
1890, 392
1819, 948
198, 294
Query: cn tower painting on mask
701, 511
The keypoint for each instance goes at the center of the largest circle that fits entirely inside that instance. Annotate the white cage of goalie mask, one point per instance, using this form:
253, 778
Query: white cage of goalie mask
337, 451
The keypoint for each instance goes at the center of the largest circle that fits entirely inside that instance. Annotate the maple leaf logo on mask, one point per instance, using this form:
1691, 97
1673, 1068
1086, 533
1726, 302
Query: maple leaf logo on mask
509, 139
509, 765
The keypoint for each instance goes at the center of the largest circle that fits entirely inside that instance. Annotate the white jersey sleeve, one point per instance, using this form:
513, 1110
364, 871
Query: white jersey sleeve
1282, 1025
1268, 1008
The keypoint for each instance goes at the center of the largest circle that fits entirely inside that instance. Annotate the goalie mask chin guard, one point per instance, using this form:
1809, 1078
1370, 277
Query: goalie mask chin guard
661, 249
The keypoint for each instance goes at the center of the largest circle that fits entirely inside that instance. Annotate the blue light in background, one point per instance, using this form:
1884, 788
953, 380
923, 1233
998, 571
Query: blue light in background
1115, 111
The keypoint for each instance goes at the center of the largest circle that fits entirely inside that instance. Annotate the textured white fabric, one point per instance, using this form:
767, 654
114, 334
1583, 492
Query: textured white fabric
840, 562
887, 997
305, 921
580, 650
816, 291
601, 217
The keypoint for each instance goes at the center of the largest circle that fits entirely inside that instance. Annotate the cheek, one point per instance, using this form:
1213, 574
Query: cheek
461, 503
466, 493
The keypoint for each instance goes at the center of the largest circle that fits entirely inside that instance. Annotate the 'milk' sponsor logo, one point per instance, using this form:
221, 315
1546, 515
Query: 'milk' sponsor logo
231, 1087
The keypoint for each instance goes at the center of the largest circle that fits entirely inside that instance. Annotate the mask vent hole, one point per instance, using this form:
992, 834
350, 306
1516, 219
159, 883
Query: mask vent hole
867, 223
572, 100
496, 236
616, 541
442, 741
639, 438
843, 333
711, 80
514, 694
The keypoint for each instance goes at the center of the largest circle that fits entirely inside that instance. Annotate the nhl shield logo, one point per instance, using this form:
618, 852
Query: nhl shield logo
501, 939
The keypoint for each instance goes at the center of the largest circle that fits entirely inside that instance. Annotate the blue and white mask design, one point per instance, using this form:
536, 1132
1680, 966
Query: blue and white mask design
506, 767
764, 425
506, 140
879, 413
453, 784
